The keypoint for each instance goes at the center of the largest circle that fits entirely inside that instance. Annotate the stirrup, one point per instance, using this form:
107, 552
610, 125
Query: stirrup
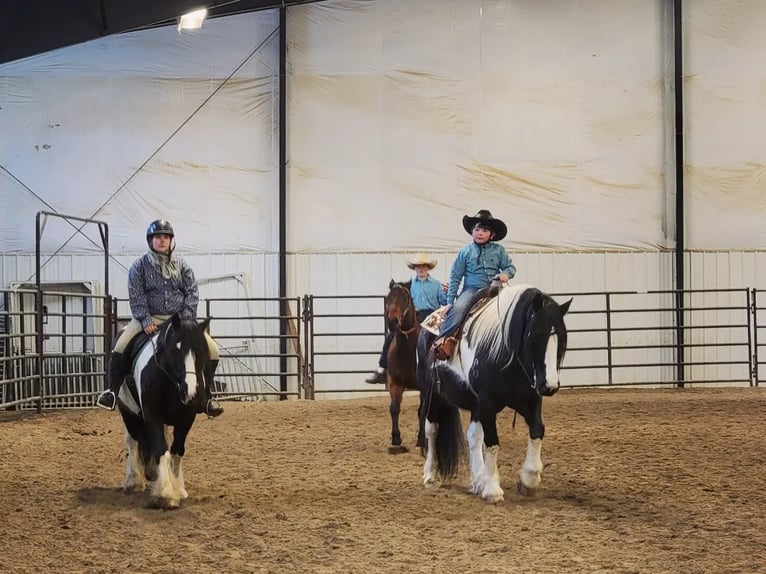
105, 394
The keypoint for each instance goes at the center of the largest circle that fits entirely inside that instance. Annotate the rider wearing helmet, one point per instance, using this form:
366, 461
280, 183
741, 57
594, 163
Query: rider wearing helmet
159, 285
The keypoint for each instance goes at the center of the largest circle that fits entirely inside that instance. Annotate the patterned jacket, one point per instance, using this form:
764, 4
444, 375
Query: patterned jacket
151, 294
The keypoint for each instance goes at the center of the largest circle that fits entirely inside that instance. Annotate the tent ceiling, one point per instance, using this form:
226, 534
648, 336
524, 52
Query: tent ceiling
29, 27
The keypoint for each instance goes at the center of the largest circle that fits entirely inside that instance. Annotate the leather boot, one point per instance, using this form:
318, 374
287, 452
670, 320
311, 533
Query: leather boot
377, 378
115, 375
444, 347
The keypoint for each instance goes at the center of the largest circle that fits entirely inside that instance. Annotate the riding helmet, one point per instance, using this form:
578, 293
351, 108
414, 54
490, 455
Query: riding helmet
159, 227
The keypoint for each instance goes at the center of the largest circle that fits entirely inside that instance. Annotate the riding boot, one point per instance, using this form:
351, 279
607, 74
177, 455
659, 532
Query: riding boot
209, 405
444, 347
108, 399
379, 377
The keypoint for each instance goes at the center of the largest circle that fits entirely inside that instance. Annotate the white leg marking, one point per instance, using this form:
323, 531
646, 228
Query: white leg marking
475, 436
178, 475
530, 474
429, 467
491, 491
551, 371
163, 486
131, 471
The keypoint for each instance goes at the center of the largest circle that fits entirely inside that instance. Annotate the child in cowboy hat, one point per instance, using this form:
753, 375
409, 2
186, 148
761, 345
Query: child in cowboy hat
428, 294
476, 265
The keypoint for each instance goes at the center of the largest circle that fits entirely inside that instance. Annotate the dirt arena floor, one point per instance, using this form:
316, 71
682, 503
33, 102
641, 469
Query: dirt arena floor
638, 481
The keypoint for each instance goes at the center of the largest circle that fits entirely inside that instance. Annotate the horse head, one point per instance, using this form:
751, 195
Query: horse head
182, 353
400, 310
545, 343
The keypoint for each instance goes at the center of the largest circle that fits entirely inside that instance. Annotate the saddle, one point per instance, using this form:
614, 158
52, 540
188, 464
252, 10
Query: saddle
444, 347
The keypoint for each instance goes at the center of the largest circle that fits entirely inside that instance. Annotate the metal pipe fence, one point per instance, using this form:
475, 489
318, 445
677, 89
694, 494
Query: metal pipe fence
54, 345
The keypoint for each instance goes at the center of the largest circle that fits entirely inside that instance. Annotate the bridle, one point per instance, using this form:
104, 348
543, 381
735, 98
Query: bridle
410, 310
177, 379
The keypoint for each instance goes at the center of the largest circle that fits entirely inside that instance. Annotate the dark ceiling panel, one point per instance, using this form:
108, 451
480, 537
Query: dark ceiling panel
29, 27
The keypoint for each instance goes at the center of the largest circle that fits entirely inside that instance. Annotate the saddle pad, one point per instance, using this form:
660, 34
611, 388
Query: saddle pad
434, 321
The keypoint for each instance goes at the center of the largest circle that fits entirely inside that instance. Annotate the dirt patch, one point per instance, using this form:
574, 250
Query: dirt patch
637, 481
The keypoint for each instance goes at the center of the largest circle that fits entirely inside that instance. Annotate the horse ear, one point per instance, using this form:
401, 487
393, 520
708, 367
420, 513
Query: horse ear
391, 284
564, 307
175, 320
537, 302
204, 324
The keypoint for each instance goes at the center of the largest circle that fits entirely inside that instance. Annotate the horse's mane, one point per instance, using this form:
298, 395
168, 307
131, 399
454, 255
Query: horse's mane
498, 331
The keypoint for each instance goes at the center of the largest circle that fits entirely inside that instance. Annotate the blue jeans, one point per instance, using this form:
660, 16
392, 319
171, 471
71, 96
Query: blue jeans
458, 312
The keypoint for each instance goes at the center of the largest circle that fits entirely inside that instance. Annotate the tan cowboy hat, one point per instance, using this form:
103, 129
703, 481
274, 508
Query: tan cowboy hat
483, 216
421, 259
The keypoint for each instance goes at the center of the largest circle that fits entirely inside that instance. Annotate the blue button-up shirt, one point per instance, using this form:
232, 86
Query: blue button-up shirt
475, 265
427, 294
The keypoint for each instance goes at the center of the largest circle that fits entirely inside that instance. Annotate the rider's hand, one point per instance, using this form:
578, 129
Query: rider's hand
445, 287
502, 277
150, 329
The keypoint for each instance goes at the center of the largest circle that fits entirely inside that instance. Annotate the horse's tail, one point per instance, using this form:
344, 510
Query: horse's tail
450, 443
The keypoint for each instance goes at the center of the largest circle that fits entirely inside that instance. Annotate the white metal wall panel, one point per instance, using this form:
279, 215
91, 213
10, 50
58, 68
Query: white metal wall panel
147, 124
403, 116
725, 173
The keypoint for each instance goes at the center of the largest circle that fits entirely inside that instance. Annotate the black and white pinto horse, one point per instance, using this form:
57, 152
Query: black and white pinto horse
167, 384
509, 355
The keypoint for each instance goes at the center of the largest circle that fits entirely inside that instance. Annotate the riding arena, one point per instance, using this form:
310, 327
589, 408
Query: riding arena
601, 411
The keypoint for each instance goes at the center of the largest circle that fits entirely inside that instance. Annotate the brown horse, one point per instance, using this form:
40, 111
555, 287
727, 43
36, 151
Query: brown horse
402, 354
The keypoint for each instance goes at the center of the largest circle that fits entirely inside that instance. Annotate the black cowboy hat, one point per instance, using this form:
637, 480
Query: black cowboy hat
484, 217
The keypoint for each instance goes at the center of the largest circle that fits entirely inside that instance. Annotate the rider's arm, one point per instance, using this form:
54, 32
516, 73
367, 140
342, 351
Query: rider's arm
456, 274
191, 292
139, 306
506, 265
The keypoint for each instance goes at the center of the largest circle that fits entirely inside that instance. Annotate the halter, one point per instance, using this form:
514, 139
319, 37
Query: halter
527, 335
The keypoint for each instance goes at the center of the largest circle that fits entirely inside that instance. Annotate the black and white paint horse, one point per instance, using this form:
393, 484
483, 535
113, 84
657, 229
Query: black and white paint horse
509, 355
165, 390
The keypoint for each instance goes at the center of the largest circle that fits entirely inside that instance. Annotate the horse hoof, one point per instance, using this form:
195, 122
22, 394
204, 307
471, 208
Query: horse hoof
523, 489
493, 498
397, 449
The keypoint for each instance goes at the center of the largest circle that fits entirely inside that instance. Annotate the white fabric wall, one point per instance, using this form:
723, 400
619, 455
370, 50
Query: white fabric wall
404, 116
111, 129
724, 43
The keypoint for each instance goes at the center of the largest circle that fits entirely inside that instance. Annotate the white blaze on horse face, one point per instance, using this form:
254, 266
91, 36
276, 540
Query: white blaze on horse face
191, 375
551, 362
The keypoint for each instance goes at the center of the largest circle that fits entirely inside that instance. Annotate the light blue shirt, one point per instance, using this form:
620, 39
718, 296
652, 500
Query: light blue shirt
427, 294
475, 265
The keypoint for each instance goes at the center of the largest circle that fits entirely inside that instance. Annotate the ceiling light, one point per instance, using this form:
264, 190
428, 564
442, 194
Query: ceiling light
192, 20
